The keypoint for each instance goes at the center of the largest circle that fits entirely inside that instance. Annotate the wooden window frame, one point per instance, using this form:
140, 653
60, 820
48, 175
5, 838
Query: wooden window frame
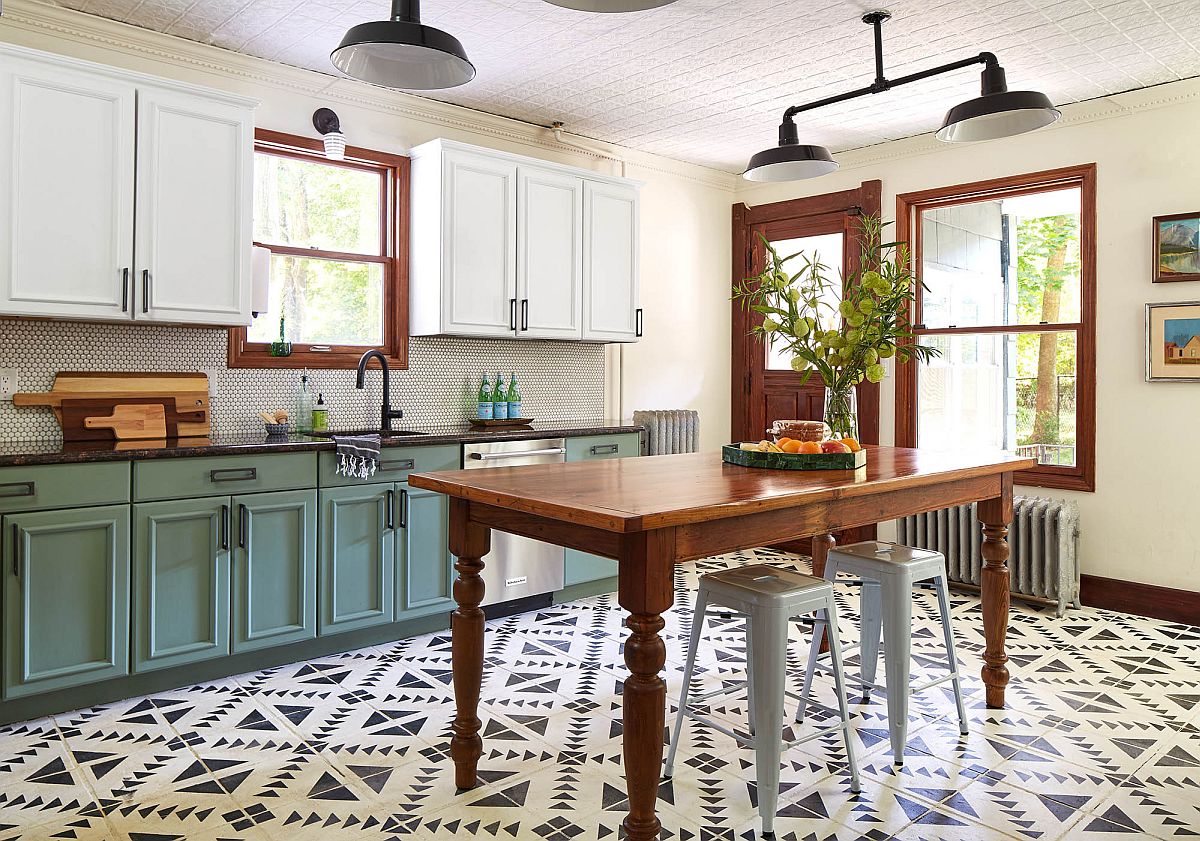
393, 256
1081, 476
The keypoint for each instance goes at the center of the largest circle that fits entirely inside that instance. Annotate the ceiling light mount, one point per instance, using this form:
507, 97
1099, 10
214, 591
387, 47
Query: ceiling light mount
402, 52
997, 112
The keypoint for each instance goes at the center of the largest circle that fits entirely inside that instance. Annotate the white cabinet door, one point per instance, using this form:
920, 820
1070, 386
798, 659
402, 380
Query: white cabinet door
549, 254
610, 263
195, 194
66, 192
479, 262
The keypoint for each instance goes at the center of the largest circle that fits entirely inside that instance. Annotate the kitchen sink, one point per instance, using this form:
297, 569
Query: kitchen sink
395, 433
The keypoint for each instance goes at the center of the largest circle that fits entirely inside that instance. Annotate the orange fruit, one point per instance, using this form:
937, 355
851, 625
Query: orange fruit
809, 447
853, 444
782, 441
790, 446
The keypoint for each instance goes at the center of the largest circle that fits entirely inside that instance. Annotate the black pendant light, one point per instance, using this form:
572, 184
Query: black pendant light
997, 112
403, 53
610, 5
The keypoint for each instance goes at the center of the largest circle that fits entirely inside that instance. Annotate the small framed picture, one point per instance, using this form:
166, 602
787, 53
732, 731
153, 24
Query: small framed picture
1173, 342
1177, 247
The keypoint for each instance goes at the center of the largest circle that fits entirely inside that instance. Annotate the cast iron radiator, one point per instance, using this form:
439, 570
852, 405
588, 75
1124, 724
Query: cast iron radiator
669, 431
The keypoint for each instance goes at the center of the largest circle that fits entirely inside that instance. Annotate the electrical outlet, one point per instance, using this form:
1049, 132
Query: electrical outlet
212, 381
8, 383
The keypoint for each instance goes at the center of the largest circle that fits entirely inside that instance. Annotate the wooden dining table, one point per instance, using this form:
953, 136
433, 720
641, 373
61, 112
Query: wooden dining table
653, 512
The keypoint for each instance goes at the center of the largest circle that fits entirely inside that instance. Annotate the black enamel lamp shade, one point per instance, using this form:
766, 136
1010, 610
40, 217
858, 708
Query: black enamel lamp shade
996, 115
610, 5
403, 52
791, 160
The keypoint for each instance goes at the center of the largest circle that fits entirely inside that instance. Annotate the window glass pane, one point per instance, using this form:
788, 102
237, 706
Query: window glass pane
313, 205
1010, 261
828, 249
1008, 391
323, 302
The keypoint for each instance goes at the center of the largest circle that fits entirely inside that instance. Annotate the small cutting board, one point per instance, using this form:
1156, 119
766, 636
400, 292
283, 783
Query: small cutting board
80, 418
132, 420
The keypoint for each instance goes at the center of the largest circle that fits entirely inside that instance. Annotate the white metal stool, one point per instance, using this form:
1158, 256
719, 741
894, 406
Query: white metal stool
768, 597
888, 572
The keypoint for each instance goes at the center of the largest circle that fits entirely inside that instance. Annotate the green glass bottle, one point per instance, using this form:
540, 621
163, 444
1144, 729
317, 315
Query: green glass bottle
514, 397
484, 411
499, 400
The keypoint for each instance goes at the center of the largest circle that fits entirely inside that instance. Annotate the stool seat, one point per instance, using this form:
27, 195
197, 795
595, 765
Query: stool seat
762, 585
873, 558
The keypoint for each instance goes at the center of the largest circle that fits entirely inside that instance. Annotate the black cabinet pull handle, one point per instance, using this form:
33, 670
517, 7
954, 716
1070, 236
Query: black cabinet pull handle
403, 508
243, 525
524, 313
125, 289
16, 541
225, 527
512, 313
605, 449
396, 464
637, 321
145, 290
233, 474
389, 522
17, 489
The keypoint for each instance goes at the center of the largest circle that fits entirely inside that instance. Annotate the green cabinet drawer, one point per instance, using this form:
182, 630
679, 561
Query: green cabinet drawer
66, 598
182, 478
395, 463
620, 445
63, 486
274, 569
357, 557
424, 565
582, 567
180, 582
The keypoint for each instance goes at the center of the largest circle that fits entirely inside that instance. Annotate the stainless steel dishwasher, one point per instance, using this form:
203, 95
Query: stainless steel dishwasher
518, 567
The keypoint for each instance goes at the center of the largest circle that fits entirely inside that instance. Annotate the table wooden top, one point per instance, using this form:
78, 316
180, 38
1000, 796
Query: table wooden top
635, 494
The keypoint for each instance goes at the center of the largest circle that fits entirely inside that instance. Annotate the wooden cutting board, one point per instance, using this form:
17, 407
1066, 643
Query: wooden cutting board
132, 420
82, 418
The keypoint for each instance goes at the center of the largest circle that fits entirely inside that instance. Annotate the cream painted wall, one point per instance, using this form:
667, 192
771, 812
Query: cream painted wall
1141, 524
683, 361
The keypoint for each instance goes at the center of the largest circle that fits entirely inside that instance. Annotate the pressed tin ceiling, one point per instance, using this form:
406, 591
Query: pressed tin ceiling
706, 81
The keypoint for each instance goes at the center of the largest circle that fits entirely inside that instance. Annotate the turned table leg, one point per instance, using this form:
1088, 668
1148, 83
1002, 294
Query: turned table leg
995, 516
822, 545
469, 542
646, 591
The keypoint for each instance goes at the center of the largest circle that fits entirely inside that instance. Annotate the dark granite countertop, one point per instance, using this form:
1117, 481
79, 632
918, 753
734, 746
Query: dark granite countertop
18, 453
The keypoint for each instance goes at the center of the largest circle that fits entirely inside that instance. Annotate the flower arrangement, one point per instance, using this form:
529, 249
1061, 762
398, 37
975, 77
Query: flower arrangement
845, 342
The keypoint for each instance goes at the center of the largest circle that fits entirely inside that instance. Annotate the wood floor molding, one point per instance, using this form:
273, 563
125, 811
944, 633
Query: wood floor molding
1150, 600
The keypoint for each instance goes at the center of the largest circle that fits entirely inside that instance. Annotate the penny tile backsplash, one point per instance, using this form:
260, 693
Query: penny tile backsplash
560, 382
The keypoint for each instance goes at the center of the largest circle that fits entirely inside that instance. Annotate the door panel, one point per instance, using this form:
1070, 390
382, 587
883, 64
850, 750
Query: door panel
610, 263
549, 254
66, 598
357, 558
274, 569
181, 582
424, 565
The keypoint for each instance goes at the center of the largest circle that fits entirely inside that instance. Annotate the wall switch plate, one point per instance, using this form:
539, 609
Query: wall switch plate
212, 381
8, 383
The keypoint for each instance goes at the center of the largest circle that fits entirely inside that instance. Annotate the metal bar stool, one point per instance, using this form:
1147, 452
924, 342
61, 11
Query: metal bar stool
888, 572
768, 597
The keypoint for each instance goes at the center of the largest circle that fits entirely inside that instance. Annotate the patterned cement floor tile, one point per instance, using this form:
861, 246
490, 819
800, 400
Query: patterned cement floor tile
77, 828
1160, 812
944, 825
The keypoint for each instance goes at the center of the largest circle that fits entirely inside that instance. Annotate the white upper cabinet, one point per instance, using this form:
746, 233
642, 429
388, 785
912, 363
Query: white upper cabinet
195, 191
499, 247
610, 263
549, 254
66, 196
82, 142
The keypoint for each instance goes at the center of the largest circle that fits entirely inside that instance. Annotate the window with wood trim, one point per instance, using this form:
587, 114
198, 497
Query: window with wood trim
1008, 268
338, 236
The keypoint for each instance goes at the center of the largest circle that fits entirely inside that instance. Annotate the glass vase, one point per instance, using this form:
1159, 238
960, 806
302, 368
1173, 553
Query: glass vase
841, 412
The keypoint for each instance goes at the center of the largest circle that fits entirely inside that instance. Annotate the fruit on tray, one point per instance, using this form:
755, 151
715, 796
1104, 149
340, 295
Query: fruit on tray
853, 444
834, 447
809, 448
763, 446
790, 446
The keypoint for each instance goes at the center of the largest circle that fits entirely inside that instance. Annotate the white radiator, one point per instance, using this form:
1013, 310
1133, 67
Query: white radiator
669, 431
1043, 539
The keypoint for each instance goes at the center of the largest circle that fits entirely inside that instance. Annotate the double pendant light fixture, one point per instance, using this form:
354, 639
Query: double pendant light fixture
997, 112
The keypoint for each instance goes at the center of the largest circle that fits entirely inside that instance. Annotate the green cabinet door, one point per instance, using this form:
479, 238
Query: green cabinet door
424, 565
180, 582
582, 567
274, 569
357, 557
66, 598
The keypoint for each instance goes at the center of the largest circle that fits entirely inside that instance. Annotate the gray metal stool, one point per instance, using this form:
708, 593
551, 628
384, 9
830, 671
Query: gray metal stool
888, 572
768, 597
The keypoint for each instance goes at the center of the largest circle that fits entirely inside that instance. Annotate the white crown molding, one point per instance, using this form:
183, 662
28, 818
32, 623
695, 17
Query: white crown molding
70, 26
1075, 114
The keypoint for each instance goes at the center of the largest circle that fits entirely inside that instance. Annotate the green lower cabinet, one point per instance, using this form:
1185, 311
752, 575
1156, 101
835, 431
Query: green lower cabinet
180, 582
66, 598
274, 569
424, 565
582, 568
357, 557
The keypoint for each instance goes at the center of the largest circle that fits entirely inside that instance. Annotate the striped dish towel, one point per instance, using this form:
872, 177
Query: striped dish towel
357, 455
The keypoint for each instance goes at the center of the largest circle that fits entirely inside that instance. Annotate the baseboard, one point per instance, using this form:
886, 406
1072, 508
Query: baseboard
1140, 599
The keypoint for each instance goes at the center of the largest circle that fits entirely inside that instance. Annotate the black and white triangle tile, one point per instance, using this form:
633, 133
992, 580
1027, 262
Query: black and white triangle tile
1101, 738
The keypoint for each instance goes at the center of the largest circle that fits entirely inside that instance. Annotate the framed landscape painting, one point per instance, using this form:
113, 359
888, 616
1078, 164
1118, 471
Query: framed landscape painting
1173, 342
1177, 247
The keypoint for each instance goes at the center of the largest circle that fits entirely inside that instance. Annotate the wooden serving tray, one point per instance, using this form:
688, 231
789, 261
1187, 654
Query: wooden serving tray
734, 454
501, 423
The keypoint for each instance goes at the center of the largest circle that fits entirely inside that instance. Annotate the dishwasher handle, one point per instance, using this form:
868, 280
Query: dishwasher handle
551, 451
